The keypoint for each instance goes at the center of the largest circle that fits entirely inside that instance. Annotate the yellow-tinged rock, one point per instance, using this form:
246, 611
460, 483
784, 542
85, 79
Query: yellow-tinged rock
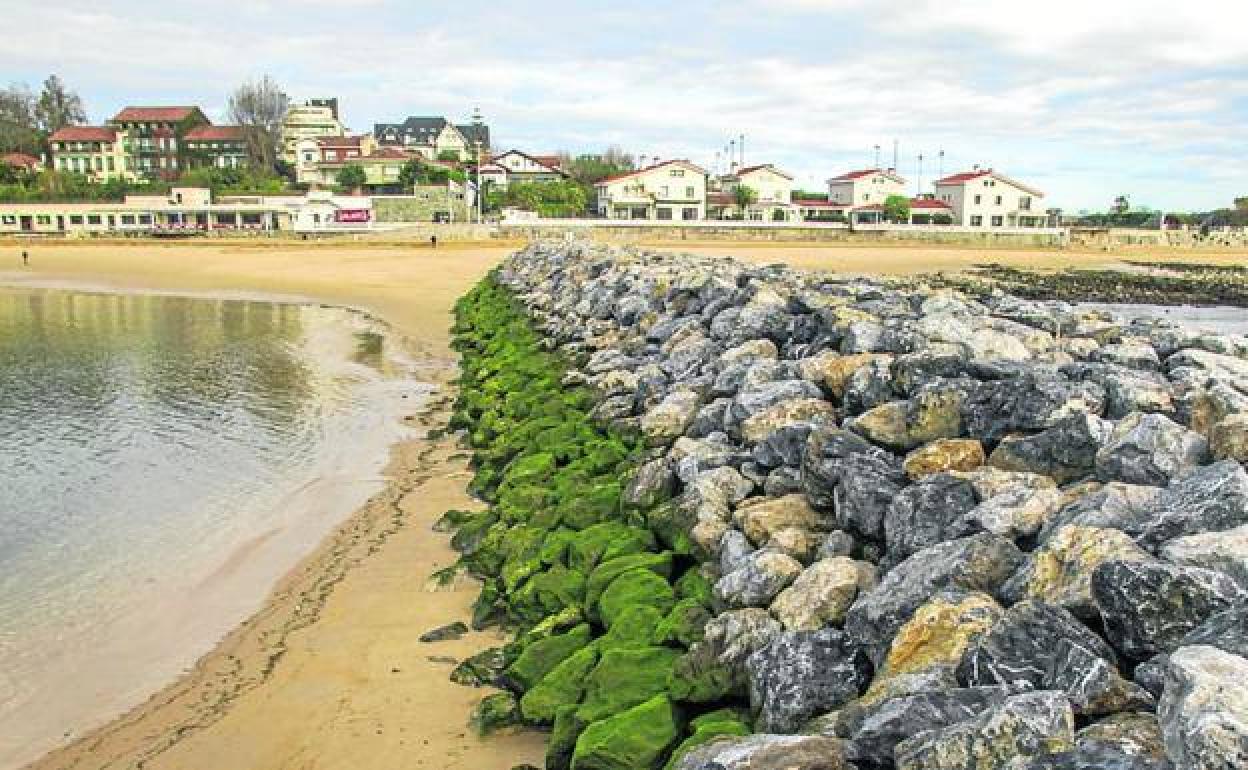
946, 454
832, 370
908, 424
760, 518
1228, 438
797, 410
938, 633
1060, 571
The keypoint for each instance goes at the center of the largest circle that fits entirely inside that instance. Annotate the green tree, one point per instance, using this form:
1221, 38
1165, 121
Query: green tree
745, 196
410, 173
58, 107
18, 130
352, 177
449, 156
563, 198
260, 108
897, 208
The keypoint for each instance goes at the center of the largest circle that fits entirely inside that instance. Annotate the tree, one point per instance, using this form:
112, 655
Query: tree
745, 196
260, 108
352, 177
897, 208
449, 156
589, 169
562, 198
58, 107
18, 132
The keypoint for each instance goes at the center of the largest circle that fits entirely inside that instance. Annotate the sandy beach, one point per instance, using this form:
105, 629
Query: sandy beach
329, 674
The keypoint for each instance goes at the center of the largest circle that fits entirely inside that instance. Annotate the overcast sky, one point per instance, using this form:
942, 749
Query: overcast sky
1084, 100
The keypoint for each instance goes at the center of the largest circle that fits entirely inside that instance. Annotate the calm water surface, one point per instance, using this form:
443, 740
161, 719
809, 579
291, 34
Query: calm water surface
163, 461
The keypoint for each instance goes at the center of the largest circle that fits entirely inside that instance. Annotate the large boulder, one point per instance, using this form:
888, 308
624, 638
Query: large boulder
636, 738
832, 370
876, 735
1222, 551
947, 454
801, 674
1127, 741
1228, 438
1149, 449
668, 420
978, 563
1212, 498
822, 594
1060, 571
1148, 606
757, 581
929, 512
1066, 451
1029, 403
768, 752
843, 472
1047, 648
1203, 711
1022, 726
797, 411
760, 518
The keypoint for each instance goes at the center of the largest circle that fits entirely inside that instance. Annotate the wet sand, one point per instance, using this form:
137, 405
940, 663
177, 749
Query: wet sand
329, 674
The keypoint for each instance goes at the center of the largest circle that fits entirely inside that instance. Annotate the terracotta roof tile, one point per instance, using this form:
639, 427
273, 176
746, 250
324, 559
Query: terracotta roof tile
215, 133
153, 114
84, 134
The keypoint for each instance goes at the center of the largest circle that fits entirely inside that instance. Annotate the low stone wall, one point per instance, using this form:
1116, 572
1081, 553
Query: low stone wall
1109, 238
942, 532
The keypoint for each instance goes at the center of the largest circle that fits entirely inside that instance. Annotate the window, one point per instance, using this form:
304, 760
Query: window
997, 221
307, 156
977, 221
978, 199
127, 219
663, 214
145, 219
998, 200
43, 219
1024, 203
688, 213
8, 219
75, 219
663, 191
94, 219
110, 163
689, 192
677, 172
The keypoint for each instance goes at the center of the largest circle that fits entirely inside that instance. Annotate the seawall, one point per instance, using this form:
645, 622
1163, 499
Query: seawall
936, 528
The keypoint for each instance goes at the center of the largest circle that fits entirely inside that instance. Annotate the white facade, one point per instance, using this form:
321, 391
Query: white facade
516, 166
674, 190
985, 198
865, 187
307, 121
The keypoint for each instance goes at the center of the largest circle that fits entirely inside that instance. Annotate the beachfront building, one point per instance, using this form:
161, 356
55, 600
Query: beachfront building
987, 198
315, 156
430, 137
516, 166
153, 137
314, 119
187, 211
673, 190
215, 147
772, 190
99, 152
865, 187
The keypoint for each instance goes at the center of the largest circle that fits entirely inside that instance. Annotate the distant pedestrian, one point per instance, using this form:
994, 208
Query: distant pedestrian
433, 241
25, 257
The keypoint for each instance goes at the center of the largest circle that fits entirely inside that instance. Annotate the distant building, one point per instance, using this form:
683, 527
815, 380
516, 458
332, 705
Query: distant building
674, 190
517, 166
773, 188
435, 137
313, 119
153, 137
987, 198
865, 186
99, 152
22, 161
215, 147
313, 155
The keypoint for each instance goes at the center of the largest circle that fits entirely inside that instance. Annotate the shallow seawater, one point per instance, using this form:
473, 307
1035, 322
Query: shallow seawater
163, 461
1220, 319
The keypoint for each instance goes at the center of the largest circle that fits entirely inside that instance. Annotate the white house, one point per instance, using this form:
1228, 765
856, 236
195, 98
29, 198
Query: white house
674, 190
987, 198
865, 187
517, 166
772, 187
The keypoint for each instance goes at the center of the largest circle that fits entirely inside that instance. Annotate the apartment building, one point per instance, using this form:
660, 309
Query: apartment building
314, 119
865, 187
99, 152
215, 147
673, 190
988, 198
153, 137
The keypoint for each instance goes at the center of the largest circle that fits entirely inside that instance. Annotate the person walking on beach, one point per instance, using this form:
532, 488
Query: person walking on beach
433, 241
25, 258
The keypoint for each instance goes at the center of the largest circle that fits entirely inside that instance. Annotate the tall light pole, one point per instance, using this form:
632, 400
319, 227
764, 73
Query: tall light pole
480, 192
920, 193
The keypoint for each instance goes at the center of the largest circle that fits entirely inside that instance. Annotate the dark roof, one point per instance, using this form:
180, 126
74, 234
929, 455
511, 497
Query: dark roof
852, 175
421, 130
476, 132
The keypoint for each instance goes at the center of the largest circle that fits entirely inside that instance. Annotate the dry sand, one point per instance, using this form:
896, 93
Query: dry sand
329, 674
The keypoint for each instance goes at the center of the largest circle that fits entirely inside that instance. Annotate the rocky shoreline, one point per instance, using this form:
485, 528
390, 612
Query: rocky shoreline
747, 517
1167, 283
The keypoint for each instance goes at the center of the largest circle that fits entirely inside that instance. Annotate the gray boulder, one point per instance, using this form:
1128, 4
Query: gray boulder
1212, 498
1222, 551
844, 472
1149, 449
801, 674
1204, 710
1027, 404
1045, 647
1148, 607
768, 752
1023, 726
1227, 630
1066, 452
978, 563
928, 512
1128, 741
762, 575
885, 724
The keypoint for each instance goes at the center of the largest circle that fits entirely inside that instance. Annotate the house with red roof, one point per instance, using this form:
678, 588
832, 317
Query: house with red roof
21, 160
98, 152
988, 198
154, 137
669, 191
864, 187
208, 146
771, 188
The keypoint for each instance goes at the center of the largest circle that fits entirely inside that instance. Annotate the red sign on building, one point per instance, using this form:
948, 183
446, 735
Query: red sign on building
353, 215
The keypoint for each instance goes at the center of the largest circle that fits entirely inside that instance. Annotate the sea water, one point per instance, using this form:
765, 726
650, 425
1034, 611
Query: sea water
163, 461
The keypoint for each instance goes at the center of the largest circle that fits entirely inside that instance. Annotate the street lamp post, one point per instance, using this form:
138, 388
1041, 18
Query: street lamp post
480, 192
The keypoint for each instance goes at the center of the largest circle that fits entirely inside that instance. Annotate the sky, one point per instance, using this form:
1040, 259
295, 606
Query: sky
1083, 99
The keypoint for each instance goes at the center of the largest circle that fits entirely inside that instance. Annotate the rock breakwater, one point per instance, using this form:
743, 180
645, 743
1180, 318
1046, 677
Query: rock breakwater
873, 525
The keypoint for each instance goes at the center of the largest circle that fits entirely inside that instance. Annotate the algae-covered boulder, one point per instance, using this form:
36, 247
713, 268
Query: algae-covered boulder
605, 541
495, 711
562, 741
541, 657
624, 678
636, 739
684, 625
548, 592
606, 572
486, 667
637, 626
589, 505
636, 586
706, 728
563, 685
